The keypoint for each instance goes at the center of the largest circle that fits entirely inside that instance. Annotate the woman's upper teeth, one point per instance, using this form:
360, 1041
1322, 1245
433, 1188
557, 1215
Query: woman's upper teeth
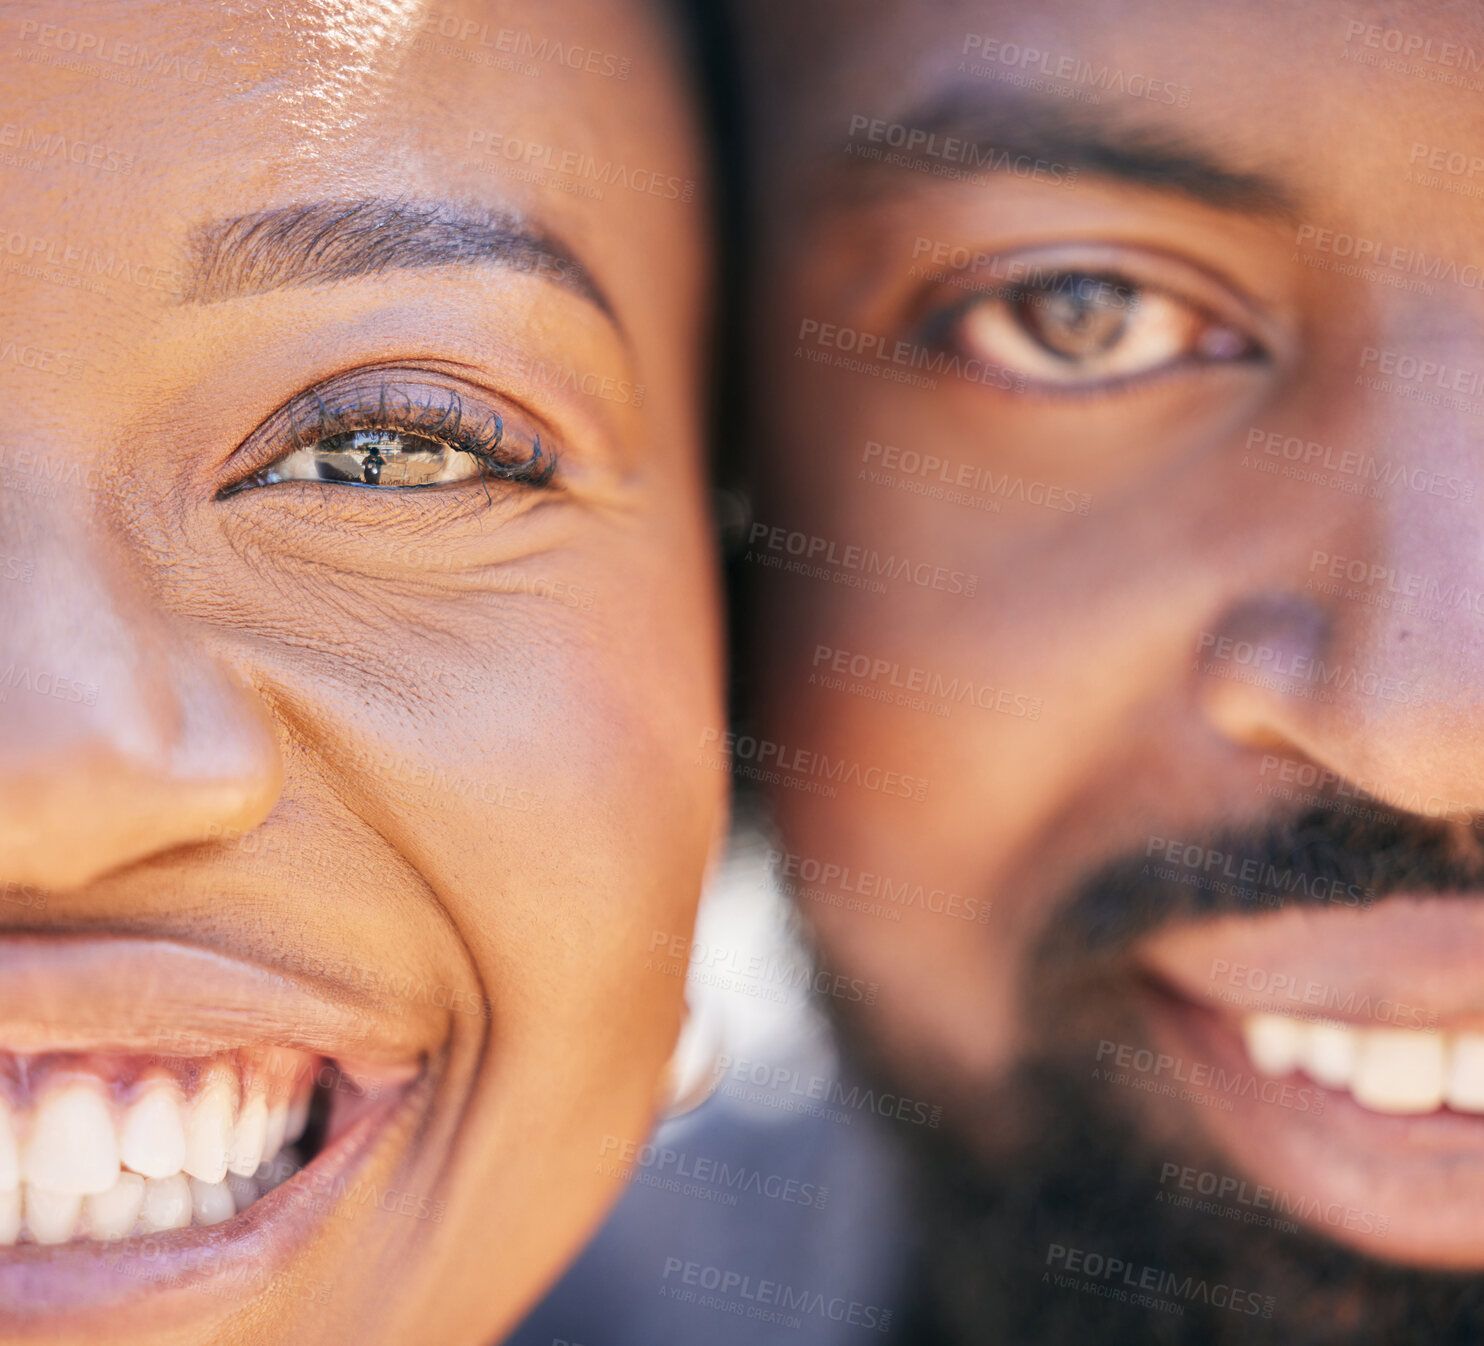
102, 1149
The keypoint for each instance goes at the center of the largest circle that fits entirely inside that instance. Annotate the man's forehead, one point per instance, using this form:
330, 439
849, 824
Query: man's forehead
1150, 94
809, 41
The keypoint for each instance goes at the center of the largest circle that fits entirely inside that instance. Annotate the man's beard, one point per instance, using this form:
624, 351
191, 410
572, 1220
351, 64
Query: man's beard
1053, 1219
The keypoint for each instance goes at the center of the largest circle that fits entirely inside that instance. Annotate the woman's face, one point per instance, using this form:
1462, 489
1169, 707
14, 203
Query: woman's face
357, 631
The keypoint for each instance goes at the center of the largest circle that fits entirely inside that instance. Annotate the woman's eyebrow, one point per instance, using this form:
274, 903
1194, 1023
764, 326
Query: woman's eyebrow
312, 243
1106, 141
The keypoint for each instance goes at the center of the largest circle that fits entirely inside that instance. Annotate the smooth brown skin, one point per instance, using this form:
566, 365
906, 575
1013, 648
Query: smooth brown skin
279, 674
1099, 616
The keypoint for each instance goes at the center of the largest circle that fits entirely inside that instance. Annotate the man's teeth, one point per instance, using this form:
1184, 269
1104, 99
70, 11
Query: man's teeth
1466, 1074
1400, 1071
85, 1158
1395, 1070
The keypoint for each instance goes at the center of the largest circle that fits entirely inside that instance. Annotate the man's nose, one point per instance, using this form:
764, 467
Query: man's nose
1371, 661
121, 735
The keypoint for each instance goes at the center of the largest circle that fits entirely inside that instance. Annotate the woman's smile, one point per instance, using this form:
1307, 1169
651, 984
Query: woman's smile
358, 617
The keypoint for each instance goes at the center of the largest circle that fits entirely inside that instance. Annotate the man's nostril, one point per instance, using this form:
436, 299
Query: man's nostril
1284, 623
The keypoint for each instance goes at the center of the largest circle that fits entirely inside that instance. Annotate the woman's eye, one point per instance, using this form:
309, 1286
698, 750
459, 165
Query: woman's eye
1074, 329
371, 458
395, 432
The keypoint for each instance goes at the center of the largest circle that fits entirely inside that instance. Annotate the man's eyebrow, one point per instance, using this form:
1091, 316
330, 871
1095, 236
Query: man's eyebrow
1107, 143
316, 242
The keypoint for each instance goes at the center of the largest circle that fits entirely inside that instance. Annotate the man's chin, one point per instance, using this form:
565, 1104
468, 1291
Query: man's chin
1100, 1229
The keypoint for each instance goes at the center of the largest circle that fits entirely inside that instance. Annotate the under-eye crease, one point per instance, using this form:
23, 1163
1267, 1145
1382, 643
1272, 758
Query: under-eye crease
394, 432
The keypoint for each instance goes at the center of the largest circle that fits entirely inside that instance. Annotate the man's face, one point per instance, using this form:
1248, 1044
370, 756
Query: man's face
1117, 541
356, 630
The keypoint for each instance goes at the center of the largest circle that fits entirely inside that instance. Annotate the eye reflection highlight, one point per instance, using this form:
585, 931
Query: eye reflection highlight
382, 458
388, 433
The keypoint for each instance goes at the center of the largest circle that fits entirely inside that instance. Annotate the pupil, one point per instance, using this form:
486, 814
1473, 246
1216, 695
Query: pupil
380, 458
1076, 317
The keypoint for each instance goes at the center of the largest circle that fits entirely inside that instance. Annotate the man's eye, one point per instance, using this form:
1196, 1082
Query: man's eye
1078, 329
372, 458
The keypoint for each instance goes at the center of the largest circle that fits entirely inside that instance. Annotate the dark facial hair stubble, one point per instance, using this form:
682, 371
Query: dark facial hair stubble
1054, 1157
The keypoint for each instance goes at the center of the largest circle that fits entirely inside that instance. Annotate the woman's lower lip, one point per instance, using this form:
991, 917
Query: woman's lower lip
194, 1274
1406, 1189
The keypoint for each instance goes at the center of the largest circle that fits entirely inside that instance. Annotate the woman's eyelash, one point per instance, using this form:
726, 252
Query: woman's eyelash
433, 414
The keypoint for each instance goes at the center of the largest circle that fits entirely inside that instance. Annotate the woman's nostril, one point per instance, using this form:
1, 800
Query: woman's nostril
100, 772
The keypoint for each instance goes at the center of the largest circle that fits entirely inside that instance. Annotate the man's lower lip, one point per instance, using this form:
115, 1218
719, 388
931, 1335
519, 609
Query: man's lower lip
194, 1273
1400, 1188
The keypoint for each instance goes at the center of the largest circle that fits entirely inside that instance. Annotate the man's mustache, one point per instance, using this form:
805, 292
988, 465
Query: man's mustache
1324, 856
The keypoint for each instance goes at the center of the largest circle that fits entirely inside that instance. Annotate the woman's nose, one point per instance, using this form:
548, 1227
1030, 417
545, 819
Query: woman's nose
121, 733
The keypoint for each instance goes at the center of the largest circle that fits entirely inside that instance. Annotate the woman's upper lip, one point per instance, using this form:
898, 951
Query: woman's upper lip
90, 992
1422, 952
